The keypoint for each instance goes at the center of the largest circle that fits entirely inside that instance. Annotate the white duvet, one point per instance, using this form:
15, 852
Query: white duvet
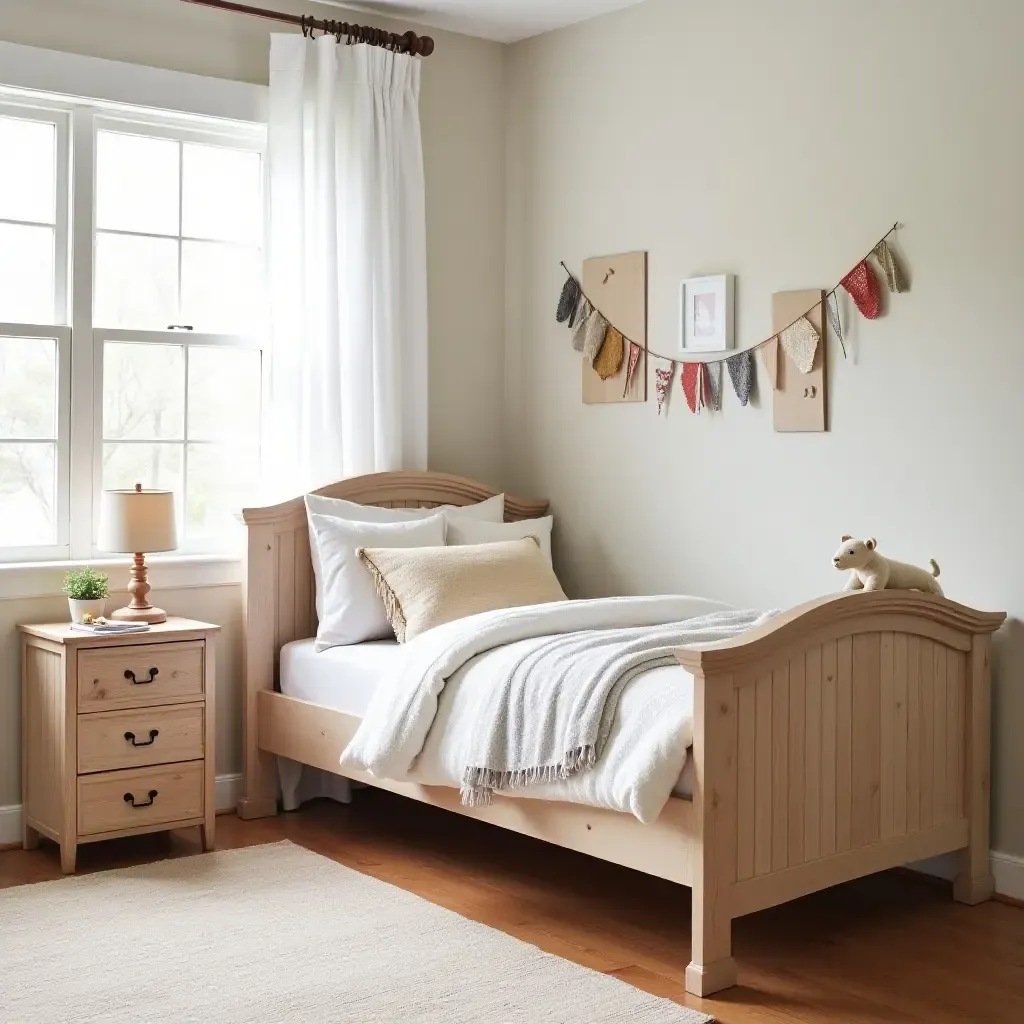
417, 725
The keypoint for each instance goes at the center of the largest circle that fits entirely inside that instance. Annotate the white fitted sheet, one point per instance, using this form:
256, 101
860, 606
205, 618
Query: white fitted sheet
344, 678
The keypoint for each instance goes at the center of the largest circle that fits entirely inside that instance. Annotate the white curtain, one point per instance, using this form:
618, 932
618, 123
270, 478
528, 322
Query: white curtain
348, 381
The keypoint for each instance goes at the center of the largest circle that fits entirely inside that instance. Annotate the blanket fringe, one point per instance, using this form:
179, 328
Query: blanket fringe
480, 784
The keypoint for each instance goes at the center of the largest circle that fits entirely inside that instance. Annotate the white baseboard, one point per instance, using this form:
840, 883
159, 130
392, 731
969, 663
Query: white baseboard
1008, 871
226, 791
10, 824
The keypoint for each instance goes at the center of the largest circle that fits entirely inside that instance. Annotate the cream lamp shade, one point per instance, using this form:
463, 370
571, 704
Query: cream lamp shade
137, 520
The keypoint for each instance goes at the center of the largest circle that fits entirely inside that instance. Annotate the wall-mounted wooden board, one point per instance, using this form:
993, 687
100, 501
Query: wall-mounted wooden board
799, 399
617, 285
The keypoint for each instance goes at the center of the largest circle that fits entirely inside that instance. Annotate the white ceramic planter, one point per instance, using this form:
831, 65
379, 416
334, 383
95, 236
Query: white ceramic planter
79, 609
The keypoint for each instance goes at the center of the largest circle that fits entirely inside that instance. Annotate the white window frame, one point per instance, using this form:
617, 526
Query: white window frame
188, 340
36, 109
163, 127
79, 340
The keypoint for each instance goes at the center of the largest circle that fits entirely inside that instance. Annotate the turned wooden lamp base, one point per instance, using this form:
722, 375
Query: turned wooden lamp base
139, 609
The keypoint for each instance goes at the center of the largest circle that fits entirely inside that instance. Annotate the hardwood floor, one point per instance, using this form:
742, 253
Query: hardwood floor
889, 948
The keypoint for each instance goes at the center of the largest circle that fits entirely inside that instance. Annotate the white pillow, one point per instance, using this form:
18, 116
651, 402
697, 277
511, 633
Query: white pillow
492, 510
472, 531
351, 612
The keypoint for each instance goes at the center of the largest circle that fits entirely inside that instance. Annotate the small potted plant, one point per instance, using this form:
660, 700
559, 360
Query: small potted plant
87, 592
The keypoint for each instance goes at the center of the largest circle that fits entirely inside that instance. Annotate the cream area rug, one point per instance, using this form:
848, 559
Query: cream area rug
278, 934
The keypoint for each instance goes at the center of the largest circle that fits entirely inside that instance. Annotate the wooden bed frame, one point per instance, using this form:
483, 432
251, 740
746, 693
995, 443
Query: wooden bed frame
849, 735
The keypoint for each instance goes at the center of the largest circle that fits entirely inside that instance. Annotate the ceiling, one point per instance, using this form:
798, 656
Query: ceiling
505, 21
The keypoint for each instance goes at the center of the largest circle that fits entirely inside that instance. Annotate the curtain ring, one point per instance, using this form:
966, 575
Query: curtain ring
305, 28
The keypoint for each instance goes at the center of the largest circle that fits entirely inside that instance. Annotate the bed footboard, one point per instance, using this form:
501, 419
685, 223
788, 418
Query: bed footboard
846, 736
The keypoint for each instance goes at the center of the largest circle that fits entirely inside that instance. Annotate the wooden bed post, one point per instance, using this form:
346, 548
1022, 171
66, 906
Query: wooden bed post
259, 794
712, 966
975, 883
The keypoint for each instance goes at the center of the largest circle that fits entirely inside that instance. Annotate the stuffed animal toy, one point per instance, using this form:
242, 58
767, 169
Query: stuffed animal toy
873, 571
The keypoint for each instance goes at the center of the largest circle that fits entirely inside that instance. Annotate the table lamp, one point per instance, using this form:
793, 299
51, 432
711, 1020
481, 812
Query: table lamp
134, 522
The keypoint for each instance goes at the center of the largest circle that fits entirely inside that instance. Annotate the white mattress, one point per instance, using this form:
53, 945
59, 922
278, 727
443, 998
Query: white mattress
344, 678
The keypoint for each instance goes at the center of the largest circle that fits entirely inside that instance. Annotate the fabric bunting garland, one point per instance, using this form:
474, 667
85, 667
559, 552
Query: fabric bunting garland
800, 341
567, 300
895, 279
611, 353
663, 384
862, 285
691, 385
595, 329
742, 374
581, 326
770, 358
835, 321
609, 359
712, 386
634, 358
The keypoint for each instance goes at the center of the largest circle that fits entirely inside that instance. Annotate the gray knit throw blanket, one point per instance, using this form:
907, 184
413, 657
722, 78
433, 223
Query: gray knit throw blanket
550, 717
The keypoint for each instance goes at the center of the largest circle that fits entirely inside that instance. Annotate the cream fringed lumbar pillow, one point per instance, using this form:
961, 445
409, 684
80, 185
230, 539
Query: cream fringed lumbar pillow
426, 587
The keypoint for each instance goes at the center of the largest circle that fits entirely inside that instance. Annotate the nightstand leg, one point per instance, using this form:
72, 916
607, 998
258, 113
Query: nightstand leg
29, 837
68, 852
207, 832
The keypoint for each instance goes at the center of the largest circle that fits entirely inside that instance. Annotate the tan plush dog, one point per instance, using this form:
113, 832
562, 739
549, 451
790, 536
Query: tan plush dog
873, 571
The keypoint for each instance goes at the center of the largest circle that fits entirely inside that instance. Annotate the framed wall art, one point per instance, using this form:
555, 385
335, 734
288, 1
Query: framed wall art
707, 314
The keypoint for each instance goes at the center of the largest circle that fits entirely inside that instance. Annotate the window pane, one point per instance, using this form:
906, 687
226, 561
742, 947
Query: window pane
136, 281
28, 387
221, 480
143, 391
220, 287
27, 183
152, 465
136, 183
217, 412
26, 274
27, 494
221, 194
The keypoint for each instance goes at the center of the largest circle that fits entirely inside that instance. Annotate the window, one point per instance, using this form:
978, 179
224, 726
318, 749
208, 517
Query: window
34, 339
131, 305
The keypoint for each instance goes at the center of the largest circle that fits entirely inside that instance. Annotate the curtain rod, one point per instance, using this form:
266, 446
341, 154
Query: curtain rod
422, 46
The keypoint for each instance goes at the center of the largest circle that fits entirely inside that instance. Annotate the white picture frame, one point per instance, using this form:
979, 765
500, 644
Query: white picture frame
707, 313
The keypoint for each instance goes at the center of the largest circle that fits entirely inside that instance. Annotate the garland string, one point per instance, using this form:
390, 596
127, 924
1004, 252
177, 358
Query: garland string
753, 348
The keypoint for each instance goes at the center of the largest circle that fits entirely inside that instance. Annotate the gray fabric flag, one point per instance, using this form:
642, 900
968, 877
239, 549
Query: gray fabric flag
742, 374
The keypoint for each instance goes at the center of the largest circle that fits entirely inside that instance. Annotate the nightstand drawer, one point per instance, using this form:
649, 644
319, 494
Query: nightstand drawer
111, 801
136, 676
139, 737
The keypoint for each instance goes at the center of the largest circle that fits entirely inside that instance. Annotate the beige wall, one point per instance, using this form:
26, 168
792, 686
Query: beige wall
777, 142
463, 140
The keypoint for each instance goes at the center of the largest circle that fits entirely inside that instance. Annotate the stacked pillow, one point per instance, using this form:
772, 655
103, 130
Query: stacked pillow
348, 607
465, 530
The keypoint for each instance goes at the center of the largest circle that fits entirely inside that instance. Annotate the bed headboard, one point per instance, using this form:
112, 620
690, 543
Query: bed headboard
279, 586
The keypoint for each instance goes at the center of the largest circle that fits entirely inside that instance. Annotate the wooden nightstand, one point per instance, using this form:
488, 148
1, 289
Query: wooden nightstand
117, 733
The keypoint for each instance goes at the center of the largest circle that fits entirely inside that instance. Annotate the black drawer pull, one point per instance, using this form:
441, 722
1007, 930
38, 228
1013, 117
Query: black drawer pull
153, 733
129, 674
129, 798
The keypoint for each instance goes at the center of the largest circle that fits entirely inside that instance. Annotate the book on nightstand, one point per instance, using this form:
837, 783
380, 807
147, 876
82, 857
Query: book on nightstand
107, 628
